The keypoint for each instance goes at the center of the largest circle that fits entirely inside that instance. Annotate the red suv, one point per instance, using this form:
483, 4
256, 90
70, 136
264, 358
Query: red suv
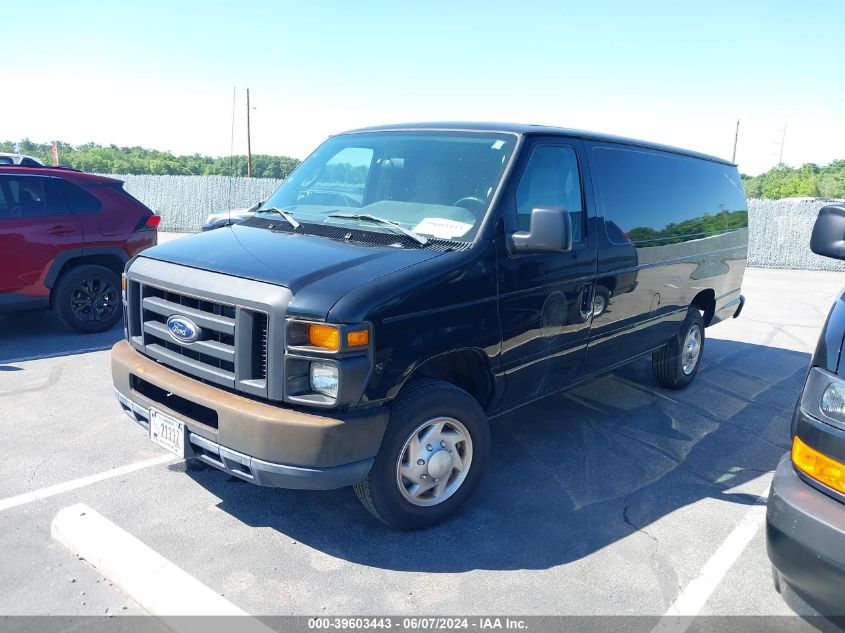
65, 237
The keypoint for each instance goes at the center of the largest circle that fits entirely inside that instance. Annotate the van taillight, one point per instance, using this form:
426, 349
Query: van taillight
148, 223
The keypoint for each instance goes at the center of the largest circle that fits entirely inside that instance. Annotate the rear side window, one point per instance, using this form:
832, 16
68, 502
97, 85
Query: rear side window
29, 197
654, 198
77, 199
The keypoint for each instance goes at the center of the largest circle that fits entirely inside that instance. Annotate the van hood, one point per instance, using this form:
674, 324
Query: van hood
317, 270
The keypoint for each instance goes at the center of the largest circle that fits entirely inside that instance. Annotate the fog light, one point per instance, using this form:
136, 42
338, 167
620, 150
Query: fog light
324, 378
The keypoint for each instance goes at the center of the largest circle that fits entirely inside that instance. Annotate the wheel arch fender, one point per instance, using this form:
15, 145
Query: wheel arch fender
706, 302
111, 257
467, 368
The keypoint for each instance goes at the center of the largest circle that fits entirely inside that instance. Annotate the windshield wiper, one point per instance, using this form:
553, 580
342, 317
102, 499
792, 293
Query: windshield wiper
287, 215
374, 218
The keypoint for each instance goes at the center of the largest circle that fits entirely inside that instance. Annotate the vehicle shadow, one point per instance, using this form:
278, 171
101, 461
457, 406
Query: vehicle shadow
31, 335
571, 474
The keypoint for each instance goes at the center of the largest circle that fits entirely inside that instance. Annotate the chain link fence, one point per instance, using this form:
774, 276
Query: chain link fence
779, 235
184, 202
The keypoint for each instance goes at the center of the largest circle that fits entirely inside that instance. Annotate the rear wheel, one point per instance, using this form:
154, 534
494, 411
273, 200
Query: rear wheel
675, 364
88, 298
601, 300
433, 454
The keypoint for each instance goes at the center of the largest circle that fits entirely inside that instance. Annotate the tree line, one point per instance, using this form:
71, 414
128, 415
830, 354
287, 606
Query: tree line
809, 180
705, 225
112, 159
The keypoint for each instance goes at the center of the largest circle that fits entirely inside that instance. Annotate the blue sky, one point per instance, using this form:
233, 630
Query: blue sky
161, 74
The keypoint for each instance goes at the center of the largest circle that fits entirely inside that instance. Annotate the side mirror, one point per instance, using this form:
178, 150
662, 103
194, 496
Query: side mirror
550, 232
828, 237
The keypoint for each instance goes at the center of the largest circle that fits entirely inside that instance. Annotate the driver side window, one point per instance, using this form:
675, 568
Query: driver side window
551, 179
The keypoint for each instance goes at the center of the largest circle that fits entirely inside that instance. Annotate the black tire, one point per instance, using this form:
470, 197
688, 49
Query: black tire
667, 363
419, 402
601, 300
88, 298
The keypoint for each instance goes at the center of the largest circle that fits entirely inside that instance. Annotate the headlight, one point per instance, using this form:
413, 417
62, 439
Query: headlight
824, 397
324, 378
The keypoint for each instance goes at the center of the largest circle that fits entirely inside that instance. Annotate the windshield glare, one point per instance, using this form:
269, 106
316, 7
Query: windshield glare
437, 184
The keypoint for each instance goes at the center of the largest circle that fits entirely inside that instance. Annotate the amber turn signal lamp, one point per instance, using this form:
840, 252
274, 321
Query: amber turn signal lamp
818, 465
358, 338
325, 336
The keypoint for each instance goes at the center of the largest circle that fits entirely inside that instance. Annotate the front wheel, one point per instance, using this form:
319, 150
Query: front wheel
433, 454
675, 364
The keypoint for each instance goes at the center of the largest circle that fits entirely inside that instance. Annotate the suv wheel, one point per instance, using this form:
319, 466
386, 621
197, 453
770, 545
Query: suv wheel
433, 454
87, 298
676, 364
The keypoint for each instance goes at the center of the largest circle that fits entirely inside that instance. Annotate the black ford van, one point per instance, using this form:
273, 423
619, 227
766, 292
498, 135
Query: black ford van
406, 284
805, 517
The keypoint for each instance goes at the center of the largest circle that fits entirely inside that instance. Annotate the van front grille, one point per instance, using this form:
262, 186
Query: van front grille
212, 357
241, 323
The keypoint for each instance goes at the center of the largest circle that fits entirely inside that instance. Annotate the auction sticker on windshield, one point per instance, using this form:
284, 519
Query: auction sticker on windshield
167, 432
442, 228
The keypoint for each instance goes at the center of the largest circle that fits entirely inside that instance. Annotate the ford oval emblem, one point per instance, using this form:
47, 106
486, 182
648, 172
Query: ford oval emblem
183, 329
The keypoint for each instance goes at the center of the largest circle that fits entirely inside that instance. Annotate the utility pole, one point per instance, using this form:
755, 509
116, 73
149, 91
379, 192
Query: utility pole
248, 142
736, 138
782, 142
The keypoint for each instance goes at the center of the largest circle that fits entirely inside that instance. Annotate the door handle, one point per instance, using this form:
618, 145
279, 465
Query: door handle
60, 230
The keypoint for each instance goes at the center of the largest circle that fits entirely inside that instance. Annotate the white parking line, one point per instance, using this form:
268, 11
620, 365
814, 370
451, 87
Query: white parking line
49, 491
156, 584
691, 600
46, 355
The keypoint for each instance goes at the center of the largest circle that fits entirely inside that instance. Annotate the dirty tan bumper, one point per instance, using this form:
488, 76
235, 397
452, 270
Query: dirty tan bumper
265, 443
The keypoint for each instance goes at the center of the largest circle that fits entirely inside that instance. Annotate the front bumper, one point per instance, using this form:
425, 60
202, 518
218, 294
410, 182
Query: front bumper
805, 539
266, 444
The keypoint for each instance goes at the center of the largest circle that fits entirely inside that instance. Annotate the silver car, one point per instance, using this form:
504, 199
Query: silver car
7, 158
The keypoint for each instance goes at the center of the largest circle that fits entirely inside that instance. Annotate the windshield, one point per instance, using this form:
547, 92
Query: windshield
436, 184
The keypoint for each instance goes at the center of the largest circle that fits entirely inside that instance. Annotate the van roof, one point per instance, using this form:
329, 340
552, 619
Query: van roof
525, 129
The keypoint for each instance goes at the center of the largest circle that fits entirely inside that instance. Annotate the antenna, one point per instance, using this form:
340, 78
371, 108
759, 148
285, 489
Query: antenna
736, 138
248, 142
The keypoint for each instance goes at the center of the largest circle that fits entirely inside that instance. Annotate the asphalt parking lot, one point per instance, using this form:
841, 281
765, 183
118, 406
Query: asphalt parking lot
610, 499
